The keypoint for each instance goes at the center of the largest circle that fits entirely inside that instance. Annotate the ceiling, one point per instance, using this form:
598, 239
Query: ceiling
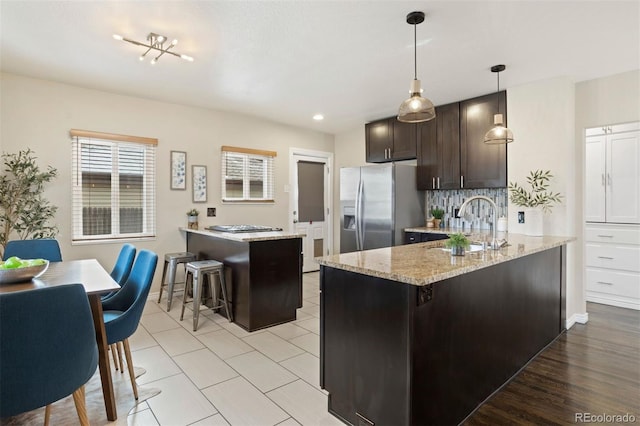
288, 60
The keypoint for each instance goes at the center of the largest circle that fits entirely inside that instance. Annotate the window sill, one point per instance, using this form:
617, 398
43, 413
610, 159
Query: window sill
111, 241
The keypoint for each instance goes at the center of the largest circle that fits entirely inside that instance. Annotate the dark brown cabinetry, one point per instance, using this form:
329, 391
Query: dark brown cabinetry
264, 277
439, 149
390, 140
451, 150
421, 237
439, 350
482, 165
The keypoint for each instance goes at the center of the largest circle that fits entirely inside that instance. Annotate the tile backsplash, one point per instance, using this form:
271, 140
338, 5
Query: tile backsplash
478, 215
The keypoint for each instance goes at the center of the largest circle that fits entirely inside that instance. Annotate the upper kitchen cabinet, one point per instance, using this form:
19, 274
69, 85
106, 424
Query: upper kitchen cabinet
482, 165
612, 173
439, 149
452, 153
390, 140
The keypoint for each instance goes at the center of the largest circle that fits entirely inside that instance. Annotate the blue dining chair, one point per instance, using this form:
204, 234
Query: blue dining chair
120, 273
124, 262
47, 349
44, 248
122, 312
122, 267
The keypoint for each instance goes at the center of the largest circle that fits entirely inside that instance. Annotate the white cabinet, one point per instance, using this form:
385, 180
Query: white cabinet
612, 258
612, 173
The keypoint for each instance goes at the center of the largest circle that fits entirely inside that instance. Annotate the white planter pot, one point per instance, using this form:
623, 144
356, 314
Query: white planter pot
533, 222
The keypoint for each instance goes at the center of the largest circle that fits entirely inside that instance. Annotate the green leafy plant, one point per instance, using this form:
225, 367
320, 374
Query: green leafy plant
539, 195
437, 213
193, 212
457, 240
23, 209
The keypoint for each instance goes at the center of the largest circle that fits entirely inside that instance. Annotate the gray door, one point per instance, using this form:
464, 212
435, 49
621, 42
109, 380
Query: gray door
377, 207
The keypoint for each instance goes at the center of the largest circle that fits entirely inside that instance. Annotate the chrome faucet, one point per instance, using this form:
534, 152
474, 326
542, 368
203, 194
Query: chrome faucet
495, 244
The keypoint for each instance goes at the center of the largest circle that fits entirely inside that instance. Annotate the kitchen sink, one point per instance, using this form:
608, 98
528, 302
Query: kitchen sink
472, 248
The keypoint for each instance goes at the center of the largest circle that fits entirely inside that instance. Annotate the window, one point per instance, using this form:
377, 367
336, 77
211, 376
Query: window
247, 174
114, 185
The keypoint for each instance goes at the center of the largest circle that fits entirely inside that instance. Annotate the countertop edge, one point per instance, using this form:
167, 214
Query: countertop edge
247, 236
486, 259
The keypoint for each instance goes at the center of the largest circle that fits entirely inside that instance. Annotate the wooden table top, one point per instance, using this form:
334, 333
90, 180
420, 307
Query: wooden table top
88, 272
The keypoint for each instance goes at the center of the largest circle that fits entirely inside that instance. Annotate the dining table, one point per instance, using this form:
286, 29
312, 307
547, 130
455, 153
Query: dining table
96, 281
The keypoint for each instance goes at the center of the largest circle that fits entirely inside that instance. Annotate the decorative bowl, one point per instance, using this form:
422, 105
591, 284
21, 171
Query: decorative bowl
18, 275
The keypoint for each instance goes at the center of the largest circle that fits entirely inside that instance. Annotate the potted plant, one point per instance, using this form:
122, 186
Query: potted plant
192, 218
24, 212
437, 214
536, 201
458, 243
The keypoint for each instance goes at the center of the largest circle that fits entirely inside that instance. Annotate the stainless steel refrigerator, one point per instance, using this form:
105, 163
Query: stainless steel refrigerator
376, 203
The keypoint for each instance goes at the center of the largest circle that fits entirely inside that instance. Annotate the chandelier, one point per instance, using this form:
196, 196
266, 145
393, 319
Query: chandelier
155, 43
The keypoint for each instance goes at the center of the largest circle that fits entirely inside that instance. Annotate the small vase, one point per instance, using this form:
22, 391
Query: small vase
457, 251
533, 221
192, 222
436, 223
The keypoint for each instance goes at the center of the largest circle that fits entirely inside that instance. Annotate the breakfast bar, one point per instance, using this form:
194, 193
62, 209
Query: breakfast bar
263, 273
410, 335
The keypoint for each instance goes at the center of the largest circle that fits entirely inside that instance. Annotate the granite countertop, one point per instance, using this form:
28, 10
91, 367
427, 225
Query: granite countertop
425, 263
473, 235
247, 236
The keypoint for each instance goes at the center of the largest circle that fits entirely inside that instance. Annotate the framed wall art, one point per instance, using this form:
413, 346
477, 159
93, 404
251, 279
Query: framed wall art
178, 170
199, 179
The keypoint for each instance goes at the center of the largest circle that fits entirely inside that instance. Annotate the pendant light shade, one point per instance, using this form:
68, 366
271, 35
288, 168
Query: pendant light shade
416, 109
499, 134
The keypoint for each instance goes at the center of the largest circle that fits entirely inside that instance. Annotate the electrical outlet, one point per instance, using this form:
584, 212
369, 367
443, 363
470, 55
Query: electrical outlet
520, 217
211, 211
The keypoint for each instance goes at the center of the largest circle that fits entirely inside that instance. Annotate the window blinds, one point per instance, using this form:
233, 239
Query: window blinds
247, 174
114, 184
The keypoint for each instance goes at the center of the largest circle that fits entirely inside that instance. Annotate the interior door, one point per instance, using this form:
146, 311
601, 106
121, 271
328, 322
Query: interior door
310, 208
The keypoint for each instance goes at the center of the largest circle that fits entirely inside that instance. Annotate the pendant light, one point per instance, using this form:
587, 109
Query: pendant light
416, 109
499, 134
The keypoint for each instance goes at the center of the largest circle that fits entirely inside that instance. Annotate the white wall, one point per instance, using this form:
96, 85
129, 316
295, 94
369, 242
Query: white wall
38, 114
542, 116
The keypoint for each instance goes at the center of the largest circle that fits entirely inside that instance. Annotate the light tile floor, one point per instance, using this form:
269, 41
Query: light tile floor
223, 375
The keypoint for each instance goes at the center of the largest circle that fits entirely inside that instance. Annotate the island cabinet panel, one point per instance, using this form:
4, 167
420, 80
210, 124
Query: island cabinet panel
398, 354
264, 278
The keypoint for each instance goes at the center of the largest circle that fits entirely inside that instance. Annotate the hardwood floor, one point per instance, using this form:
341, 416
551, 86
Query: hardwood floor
593, 368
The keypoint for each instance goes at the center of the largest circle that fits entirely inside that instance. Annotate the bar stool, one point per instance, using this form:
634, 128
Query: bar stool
194, 281
171, 261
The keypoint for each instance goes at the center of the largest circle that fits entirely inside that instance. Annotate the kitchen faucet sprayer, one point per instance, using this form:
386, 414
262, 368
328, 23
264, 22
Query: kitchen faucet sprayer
495, 244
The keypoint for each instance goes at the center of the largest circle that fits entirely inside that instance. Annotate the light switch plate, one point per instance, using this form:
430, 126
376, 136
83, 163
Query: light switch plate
520, 217
211, 211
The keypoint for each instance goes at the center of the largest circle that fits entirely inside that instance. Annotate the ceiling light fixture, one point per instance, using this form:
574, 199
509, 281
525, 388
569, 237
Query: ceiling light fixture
318, 117
416, 109
499, 134
155, 42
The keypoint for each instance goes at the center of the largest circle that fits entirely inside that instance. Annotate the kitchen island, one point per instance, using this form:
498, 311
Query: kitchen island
410, 335
263, 273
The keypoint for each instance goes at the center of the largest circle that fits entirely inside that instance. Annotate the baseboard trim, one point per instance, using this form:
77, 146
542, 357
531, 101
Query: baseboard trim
577, 318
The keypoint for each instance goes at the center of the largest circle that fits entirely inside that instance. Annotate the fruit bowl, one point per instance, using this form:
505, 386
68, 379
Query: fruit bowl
26, 273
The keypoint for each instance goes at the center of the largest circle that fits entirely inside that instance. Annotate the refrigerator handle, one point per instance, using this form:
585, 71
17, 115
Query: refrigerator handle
358, 215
